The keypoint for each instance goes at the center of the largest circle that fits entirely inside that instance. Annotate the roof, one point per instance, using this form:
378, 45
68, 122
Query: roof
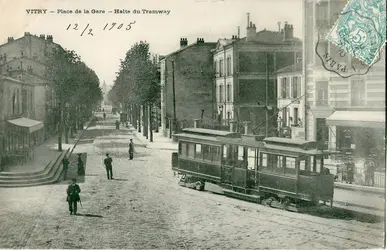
241, 142
290, 150
196, 137
212, 132
25, 35
30, 124
268, 36
13, 80
291, 68
189, 46
371, 119
290, 143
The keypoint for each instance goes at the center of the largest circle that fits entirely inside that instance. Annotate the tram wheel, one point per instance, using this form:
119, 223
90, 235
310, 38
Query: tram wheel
198, 186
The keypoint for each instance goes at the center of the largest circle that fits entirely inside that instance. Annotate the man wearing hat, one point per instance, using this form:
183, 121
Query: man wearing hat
109, 168
73, 191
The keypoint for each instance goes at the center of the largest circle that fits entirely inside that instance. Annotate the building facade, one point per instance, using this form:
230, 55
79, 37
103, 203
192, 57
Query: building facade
346, 114
186, 84
245, 71
291, 102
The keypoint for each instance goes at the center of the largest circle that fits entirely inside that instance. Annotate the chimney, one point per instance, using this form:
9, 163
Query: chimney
10, 39
199, 41
27, 33
279, 26
183, 42
248, 19
251, 32
49, 38
239, 31
288, 31
42, 36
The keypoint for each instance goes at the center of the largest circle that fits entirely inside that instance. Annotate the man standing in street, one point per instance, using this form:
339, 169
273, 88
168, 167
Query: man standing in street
65, 163
109, 168
131, 149
73, 191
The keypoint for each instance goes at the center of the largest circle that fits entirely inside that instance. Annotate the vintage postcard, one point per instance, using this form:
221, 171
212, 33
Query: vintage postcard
192, 124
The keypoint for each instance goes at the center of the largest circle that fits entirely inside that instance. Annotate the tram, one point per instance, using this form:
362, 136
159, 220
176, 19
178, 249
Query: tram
278, 172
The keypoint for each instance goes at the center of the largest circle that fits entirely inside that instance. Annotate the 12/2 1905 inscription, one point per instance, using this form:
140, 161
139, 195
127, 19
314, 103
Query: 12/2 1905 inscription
107, 27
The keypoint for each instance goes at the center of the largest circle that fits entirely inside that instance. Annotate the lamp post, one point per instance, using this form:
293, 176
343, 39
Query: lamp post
220, 114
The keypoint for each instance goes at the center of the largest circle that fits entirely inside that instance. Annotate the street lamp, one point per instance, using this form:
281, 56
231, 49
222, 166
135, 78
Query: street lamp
220, 113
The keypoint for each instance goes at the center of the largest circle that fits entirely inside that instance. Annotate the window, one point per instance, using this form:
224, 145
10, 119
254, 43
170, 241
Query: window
283, 87
295, 116
191, 150
228, 93
216, 68
322, 18
228, 66
14, 103
251, 158
322, 133
322, 92
220, 93
221, 67
183, 149
240, 153
24, 101
357, 93
207, 154
290, 167
296, 87
198, 151
215, 153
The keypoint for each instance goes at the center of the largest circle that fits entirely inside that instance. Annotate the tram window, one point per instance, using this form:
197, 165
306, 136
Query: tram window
198, 151
240, 153
183, 149
290, 166
215, 153
265, 162
278, 162
207, 155
251, 156
302, 165
318, 165
225, 152
191, 150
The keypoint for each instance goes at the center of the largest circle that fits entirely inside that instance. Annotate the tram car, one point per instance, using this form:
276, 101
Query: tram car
278, 172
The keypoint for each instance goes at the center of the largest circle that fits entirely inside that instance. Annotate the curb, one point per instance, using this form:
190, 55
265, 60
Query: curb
360, 188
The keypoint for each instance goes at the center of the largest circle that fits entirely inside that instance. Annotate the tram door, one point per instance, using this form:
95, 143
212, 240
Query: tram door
227, 164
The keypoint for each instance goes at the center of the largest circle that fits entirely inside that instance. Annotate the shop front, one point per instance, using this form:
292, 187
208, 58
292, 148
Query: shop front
22, 136
360, 136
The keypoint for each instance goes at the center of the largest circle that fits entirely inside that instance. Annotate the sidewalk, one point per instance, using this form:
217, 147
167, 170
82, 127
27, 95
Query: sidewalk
354, 187
159, 141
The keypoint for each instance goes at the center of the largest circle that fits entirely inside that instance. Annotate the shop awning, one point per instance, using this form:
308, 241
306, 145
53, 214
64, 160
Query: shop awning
31, 125
364, 119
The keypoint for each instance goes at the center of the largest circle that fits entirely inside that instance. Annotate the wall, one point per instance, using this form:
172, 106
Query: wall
193, 83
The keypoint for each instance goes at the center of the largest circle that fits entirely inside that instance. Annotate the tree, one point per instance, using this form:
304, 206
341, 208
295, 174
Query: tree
137, 82
76, 88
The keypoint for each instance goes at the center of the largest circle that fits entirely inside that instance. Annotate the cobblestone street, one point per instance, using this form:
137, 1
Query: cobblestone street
144, 207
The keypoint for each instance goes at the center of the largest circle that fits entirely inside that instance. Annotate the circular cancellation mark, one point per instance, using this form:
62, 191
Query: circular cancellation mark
338, 61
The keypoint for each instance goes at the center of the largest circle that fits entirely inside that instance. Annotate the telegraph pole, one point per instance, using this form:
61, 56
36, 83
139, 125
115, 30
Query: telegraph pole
174, 95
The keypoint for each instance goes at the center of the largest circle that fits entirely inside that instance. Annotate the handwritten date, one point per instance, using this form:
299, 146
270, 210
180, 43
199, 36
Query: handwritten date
107, 27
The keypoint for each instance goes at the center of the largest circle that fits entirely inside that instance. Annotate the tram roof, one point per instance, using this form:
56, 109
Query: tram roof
246, 141
297, 143
211, 132
196, 137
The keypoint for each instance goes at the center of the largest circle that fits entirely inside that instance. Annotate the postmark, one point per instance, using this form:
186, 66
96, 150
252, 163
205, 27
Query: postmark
361, 29
336, 60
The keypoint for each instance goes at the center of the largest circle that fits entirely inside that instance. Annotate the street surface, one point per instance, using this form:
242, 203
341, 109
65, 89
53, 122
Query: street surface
144, 208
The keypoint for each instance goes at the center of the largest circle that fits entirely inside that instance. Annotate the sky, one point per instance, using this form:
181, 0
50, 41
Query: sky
191, 19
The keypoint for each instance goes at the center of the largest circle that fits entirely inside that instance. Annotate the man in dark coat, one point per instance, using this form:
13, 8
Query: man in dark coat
81, 168
131, 149
73, 191
65, 163
350, 170
109, 168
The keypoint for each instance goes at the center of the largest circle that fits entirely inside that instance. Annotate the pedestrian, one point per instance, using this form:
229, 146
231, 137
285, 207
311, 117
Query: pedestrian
117, 124
350, 171
73, 197
81, 168
65, 163
108, 165
131, 149
104, 116
371, 173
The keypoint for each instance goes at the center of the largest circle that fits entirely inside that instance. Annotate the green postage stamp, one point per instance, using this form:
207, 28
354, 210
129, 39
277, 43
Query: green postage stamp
361, 29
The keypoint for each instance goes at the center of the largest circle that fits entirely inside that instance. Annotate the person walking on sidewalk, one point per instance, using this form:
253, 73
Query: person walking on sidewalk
109, 167
73, 191
81, 168
104, 116
350, 171
131, 149
65, 163
370, 173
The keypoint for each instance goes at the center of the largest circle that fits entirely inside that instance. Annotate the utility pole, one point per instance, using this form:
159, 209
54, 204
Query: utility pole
267, 93
174, 96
